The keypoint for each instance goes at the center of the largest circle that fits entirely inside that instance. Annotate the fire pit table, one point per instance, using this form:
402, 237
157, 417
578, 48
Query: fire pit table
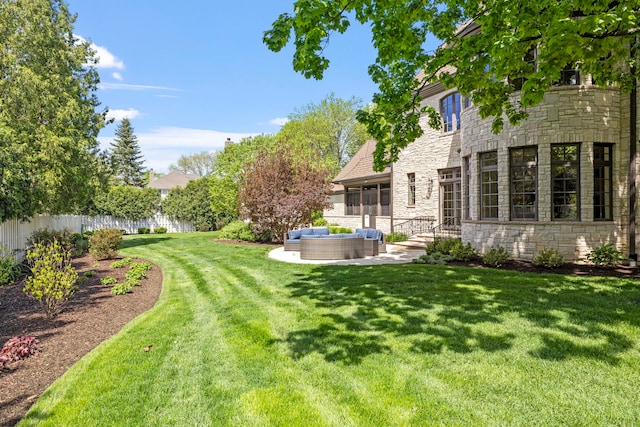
335, 246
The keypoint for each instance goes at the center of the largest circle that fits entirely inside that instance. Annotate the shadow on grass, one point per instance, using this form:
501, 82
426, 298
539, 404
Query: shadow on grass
132, 242
432, 309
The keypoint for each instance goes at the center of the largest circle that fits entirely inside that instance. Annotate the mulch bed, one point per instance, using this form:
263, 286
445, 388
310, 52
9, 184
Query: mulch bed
93, 314
90, 316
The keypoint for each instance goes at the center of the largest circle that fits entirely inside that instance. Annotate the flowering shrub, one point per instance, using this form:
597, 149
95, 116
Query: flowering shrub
18, 348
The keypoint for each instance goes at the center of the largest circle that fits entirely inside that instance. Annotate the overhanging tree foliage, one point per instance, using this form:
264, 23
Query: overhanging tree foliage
48, 122
280, 192
597, 36
328, 131
126, 158
202, 163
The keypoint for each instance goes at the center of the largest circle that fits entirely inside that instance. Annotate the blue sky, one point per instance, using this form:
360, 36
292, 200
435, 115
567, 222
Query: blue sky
191, 74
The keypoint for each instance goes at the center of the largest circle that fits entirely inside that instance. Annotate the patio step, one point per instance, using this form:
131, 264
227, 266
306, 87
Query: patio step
416, 242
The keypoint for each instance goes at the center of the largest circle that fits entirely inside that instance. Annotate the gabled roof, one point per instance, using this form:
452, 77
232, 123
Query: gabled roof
172, 180
360, 167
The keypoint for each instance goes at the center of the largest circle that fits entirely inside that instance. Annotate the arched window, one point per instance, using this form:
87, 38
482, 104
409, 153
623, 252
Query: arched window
450, 112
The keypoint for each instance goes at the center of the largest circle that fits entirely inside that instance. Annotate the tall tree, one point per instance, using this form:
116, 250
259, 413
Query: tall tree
48, 119
280, 192
202, 163
329, 130
191, 203
126, 157
480, 58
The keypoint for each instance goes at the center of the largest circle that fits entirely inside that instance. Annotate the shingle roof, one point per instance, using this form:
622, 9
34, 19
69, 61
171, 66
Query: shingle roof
361, 165
172, 180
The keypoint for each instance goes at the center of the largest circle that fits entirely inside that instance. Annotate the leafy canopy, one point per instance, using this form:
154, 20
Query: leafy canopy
48, 122
202, 163
595, 35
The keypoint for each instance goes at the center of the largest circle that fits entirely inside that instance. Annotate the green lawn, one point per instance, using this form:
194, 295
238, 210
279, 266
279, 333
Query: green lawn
242, 340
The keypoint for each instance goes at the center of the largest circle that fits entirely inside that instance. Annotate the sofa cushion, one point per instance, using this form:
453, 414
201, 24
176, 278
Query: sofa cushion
372, 233
351, 235
309, 236
321, 231
332, 236
295, 234
307, 232
361, 232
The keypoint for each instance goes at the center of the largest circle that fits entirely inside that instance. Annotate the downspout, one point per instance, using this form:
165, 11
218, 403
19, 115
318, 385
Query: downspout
391, 199
633, 141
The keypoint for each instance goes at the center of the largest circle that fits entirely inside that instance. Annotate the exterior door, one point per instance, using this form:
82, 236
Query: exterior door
451, 197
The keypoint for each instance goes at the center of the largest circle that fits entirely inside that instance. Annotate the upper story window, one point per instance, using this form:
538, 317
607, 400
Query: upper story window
569, 76
450, 112
529, 64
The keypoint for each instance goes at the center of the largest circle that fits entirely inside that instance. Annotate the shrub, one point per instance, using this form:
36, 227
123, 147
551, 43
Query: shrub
238, 230
460, 252
433, 258
549, 258
442, 245
108, 281
160, 230
397, 237
339, 230
53, 277
496, 257
204, 227
80, 244
18, 348
89, 273
138, 272
605, 256
103, 244
121, 288
65, 237
121, 263
9, 268
320, 222
144, 230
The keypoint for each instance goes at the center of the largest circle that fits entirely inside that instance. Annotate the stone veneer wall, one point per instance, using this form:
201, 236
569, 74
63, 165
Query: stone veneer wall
425, 156
571, 114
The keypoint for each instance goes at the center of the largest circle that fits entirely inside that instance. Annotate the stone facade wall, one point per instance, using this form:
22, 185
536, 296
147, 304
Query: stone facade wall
431, 152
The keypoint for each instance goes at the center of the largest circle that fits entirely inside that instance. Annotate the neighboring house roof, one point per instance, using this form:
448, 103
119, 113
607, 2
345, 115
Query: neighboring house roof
360, 167
172, 180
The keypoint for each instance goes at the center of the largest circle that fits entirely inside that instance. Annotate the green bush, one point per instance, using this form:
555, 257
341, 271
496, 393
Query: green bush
124, 262
238, 230
108, 281
605, 256
80, 244
397, 237
320, 222
160, 230
65, 237
121, 288
460, 252
203, 227
103, 244
339, 230
144, 230
549, 258
138, 271
53, 278
433, 258
496, 257
9, 268
442, 245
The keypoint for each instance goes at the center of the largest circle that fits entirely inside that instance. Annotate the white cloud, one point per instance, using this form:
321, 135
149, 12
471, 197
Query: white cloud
117, 76
163, 146
118, 115
105, 58
125, 86
279, 121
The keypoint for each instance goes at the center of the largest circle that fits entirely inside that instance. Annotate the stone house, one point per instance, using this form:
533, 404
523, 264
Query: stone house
559, 180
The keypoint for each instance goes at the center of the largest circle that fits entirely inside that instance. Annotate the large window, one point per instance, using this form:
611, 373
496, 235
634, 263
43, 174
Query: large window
450, 111
524, 183
411, 190
565, 179
352, 200
466, 178
489, 185
385, 199
602, 182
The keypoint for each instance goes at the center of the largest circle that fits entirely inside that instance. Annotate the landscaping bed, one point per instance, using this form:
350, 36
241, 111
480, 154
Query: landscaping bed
90, 316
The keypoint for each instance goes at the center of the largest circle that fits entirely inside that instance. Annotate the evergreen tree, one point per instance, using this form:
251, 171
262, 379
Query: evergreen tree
126, 158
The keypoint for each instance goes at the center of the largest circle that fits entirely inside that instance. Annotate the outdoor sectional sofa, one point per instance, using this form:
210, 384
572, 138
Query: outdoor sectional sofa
373, 240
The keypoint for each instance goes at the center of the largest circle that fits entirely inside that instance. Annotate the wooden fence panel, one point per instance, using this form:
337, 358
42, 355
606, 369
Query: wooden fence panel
14, 234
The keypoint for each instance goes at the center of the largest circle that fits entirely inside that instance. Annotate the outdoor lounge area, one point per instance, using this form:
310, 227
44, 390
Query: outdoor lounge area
319, 243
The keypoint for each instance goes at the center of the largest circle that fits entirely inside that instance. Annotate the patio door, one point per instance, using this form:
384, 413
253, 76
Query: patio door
451, 197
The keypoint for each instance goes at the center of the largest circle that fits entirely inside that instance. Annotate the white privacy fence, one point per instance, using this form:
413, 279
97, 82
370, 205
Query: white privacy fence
14, 234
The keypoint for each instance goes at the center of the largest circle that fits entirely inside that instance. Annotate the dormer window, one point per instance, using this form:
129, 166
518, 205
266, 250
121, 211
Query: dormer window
529, 64
450, 112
